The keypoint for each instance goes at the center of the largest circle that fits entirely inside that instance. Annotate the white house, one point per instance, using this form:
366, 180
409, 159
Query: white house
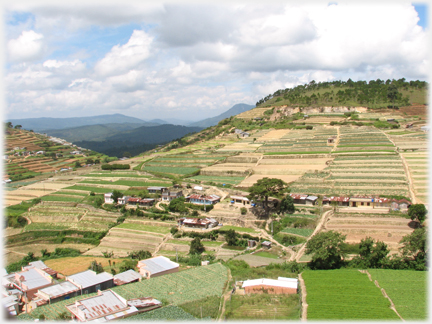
108, 198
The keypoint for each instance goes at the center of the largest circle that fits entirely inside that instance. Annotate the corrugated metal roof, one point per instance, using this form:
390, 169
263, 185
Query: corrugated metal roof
36, 264
143, 302
60, 289
126, 277
312, 198
270, 282
89, 278
32, 278
157, 264
239, 198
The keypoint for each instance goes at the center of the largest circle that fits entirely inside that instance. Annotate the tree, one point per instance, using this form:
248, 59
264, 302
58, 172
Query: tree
287, 205
177, 205
326, 248
231, 237
414, 245
264, 188
96, 267
140, 255
116, 195
392, 93
371, 254
418, 212
128, 265
77, 164
18, 127
196, 246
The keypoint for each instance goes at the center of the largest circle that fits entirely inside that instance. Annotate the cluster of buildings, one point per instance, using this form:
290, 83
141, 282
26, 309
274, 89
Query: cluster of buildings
166, 196
198, 222
37, 285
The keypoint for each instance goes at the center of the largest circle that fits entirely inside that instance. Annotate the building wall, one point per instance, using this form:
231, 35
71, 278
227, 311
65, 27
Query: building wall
147, 274
269, 289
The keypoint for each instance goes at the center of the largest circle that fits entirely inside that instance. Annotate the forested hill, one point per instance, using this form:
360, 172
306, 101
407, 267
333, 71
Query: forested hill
372, 94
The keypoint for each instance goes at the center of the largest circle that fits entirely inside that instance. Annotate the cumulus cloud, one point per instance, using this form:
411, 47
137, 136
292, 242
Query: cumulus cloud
123, 58
27, 47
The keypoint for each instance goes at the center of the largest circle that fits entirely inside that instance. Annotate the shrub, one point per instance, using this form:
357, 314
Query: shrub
243, 210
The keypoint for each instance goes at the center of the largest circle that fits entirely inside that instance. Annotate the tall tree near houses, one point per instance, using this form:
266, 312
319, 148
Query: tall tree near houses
265, 188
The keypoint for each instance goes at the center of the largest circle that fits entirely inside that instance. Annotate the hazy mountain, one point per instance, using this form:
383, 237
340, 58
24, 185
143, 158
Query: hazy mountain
45, 123
235, 110
93, 132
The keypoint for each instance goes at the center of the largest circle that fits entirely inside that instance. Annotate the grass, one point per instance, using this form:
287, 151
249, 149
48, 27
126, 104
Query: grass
88, 188
299, 231
61, 198
173, 170
344, 295
71, 265
266, 254
263, 307
407, 289
145, 228
237, 229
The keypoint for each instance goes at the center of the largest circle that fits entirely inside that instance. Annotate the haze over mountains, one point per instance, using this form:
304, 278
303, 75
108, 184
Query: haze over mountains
114, 133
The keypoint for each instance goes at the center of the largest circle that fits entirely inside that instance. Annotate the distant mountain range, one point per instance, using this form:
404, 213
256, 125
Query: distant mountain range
235, 110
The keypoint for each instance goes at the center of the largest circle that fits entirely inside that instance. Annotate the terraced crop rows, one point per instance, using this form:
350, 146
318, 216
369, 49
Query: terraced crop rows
418, 167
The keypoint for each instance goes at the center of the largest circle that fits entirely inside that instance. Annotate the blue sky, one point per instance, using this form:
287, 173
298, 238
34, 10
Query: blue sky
193, 60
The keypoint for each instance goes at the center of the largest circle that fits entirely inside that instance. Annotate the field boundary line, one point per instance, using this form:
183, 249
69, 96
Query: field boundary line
304, 304
392, 305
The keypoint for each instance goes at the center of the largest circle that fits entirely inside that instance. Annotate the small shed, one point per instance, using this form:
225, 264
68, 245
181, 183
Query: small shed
311, 200
126, 277
266, 244
108, 199
157, 266
88, 281
298, 198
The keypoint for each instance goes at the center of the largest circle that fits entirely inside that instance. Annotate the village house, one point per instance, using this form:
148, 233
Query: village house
144, 304
203, 200
266, 244
55, 293
108, 198
198, 222
126, 277
298, 198
361, 201
169, 195
42, 266
382, 203
339, 201
146, 202
331, 140
401, 205
159, 190
157, 266
271, 286
123, 200
311, 200
240, 200
30, 281
88, 281
107, 305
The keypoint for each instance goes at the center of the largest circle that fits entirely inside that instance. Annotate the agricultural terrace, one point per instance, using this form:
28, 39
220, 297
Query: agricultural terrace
417, 163
357, 174
344, 295
409, 140
363, 139
133, 235
384, 227
407, 289
300, 142
253, 113
167, 313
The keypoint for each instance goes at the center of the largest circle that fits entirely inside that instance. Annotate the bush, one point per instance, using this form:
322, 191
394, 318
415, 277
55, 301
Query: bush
115, 166
243, 210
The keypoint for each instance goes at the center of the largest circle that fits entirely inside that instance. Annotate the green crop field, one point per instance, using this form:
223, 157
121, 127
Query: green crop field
88, 188
344, 295
407, 289
237, 229
173, 170
61, 198
145, 228
167, 313
227, 180
299, 231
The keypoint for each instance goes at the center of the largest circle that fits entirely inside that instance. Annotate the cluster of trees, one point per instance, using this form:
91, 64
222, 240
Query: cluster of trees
115, 166
327, 252
372, 92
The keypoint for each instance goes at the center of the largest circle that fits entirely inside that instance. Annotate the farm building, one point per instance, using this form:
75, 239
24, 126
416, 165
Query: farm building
199, 188
55, 293
88, 281
311, 200
11, 304
157, 266
341, 201
108, 199
171, 194
42, 266
271, 286
123, 200
126, 277
198, 222
145, 202
361, 201
144, 304
266, 244
30, 281
401, 204
156, 189
331, 140
382, 202
107, 305
299, 199
240, 200
203, 200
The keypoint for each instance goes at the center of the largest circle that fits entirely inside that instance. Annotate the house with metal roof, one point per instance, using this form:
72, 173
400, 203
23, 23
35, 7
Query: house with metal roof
361, 201
156, 189
198, 222
108, 199
107, 305
88, 281
42, 266
157, 266
340, 201
144, 304
126, 277
61, 291
298, 198
311, 200
169, 195
271, 286
30, 281
203, 200
240, 200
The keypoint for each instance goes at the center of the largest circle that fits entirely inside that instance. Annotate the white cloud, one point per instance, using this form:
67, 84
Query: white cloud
123, 58
27, 47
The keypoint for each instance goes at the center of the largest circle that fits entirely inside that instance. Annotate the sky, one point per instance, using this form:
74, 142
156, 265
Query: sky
194, 60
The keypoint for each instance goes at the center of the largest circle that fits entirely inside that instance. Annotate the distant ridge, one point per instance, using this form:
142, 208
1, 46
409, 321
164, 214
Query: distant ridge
45, 123
235, 110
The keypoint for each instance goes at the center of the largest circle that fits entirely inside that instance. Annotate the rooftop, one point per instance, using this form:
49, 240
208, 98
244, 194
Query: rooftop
157, 264
89, 278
